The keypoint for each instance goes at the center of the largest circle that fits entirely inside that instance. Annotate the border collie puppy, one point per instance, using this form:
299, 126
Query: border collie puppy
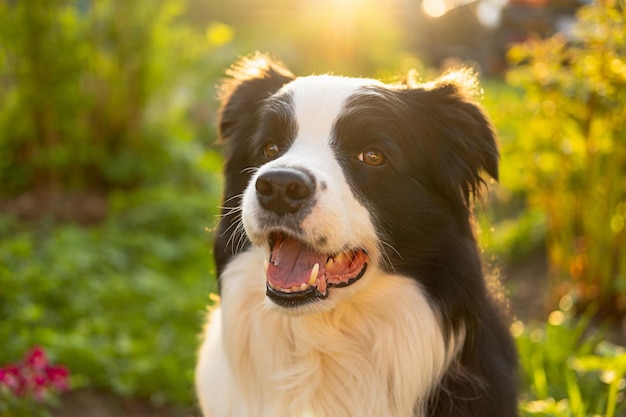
350, 280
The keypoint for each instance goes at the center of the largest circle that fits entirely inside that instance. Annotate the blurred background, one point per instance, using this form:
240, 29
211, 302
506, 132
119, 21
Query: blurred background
110, 182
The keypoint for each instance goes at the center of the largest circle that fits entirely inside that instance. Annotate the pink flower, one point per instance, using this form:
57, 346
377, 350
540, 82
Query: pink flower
59, 377
12, 377
36, 358
35, 377
39, 386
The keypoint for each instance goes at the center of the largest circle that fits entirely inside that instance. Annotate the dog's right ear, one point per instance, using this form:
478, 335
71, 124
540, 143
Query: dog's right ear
251, 80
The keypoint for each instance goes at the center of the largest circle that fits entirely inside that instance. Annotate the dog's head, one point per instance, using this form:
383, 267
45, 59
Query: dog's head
338, 179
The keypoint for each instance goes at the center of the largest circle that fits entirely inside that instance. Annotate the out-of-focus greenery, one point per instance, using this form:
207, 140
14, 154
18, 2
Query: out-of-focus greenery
563, 185
120, 304
95, 92
113, 97
571, 153
510, 230
568, 372
118, 96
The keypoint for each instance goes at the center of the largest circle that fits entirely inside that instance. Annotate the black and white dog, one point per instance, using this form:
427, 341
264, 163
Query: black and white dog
350, 280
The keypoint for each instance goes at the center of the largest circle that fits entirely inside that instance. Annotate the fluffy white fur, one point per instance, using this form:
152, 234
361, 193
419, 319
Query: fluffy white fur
376, 353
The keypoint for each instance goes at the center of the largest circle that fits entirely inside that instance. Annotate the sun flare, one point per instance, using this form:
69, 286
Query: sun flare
434, 8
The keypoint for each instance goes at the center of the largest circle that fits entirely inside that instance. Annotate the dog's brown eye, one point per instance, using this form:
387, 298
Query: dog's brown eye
271, 150
372, 157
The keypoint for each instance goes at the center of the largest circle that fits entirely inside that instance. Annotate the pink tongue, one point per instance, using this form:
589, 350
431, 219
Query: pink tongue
291, 263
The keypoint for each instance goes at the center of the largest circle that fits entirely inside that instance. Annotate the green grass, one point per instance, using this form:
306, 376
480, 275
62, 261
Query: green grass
568, 368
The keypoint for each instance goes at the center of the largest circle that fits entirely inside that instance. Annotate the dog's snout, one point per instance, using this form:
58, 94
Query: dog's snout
284, 190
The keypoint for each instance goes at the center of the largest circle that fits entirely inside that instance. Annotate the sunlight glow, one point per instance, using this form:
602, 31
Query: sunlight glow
434, 8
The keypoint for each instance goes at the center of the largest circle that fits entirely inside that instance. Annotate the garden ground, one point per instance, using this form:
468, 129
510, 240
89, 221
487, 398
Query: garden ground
90, 403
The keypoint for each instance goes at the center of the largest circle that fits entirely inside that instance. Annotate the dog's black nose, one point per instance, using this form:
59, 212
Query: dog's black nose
284, 190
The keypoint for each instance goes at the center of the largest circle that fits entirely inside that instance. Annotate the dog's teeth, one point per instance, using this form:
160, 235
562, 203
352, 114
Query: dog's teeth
329, 263
339, 257
303, 287
314, 272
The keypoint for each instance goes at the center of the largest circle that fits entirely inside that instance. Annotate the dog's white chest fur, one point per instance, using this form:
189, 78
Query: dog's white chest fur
376, 354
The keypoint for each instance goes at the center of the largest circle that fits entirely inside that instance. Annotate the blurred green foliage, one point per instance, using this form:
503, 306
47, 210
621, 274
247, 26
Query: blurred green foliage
94, 92
568, 369
571, 153
117, 98
509, 228
120, 304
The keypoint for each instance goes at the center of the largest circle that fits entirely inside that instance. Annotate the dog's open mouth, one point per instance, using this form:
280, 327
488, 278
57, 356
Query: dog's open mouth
296, 274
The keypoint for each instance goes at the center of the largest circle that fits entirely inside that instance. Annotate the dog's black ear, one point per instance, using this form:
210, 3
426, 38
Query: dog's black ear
250, 82
462, 136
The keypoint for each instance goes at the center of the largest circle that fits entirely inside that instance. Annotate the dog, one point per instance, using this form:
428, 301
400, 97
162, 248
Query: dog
350, 280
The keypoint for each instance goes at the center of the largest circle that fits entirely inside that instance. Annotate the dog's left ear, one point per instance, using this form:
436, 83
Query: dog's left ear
461, 136
250, 82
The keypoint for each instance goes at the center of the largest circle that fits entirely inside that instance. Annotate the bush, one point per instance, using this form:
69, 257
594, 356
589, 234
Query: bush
571, 154
93, 93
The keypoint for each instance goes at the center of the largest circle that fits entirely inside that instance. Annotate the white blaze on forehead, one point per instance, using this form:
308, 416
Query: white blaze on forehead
318, 101
336, 215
